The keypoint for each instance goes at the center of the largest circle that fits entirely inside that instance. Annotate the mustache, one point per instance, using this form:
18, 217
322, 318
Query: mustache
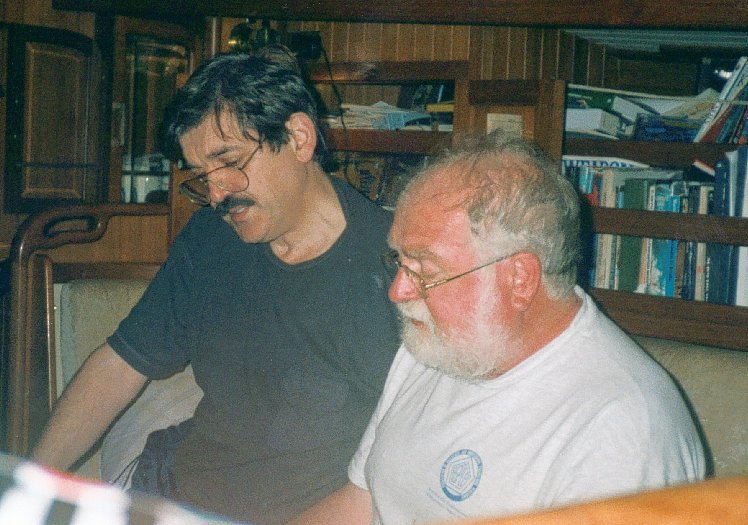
229, 202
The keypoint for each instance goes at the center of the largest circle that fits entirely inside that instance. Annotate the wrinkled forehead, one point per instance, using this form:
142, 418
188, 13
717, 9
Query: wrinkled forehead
430, 209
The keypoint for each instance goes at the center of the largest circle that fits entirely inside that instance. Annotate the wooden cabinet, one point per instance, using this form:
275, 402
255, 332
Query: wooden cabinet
52, 109
150, 61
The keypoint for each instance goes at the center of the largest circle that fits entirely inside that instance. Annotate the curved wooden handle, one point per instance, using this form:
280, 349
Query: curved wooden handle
72, 224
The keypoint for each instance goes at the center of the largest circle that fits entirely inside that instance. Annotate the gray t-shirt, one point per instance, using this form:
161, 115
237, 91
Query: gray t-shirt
291, 359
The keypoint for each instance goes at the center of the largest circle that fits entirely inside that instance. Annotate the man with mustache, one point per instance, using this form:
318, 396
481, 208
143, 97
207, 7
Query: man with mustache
512, 391
276, 294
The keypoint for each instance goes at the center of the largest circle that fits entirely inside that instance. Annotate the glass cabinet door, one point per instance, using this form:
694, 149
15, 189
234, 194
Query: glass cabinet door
153, 66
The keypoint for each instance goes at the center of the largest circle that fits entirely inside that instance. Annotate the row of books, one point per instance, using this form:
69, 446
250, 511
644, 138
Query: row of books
666, 267
727, 121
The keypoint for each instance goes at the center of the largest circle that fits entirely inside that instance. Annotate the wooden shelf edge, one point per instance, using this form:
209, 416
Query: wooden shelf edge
669, 154
668, 225
383, 141
384, 72
668, 318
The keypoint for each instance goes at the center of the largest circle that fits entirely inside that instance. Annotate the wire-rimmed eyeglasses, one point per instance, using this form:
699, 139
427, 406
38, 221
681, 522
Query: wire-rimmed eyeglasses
233, 179
393, 264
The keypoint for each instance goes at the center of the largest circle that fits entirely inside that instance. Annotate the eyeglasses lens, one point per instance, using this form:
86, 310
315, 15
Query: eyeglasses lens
230, 179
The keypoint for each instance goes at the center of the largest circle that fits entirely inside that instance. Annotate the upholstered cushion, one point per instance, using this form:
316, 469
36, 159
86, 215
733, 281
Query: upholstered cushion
87, 312
715, 381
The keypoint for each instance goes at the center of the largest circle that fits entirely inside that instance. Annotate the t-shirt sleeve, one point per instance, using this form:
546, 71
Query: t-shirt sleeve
357, 466
619, 452
153, 337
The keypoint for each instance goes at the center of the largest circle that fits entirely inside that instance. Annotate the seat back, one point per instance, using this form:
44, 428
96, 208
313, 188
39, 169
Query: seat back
715, 382
30, 354
87, 311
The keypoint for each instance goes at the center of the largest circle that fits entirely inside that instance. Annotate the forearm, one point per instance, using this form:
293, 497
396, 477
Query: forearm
349, 505
101, 389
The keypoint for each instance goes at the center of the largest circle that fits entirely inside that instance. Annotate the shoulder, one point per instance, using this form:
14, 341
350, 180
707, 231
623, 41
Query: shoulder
361, 212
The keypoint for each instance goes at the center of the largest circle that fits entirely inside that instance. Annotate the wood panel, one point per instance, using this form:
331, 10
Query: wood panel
42, 13
601, 13
51, 119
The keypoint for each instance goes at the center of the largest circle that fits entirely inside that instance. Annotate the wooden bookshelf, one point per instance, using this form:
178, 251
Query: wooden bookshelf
677, 319
381, 141
669, 154
673, 318
390, 72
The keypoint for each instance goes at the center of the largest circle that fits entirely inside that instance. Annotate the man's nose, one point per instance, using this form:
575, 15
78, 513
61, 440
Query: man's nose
216, 193
403, 288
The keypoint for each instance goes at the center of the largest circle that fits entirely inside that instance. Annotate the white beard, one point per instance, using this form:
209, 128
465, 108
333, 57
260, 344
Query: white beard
478, 354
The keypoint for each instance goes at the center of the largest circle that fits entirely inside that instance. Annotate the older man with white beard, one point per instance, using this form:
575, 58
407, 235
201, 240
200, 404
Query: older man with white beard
512, 391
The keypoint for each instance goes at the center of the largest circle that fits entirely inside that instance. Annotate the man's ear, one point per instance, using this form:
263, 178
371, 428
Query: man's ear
525, 274
302, 136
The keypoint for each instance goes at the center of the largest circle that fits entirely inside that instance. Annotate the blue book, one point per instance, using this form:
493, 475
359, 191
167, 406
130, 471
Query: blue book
663, 258
720, 255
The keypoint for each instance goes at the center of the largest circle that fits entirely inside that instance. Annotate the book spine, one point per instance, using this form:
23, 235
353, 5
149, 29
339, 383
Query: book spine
724, 95
664, 251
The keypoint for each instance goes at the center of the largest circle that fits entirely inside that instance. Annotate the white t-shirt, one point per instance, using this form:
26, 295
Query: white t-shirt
590, 415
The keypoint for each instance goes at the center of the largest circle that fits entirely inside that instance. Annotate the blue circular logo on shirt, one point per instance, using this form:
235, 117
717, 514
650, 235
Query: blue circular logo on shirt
461, 474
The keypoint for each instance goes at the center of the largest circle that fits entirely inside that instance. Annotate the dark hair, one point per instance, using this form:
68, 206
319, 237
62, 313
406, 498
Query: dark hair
260, 89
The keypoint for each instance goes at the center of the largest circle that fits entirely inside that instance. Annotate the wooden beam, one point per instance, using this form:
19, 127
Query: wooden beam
722, 14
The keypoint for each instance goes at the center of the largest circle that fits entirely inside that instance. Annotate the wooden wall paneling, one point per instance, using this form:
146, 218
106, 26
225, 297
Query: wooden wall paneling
390, 34
603, 13
423, 43
581, 60
567, 45
442, 42
338, 51
549, 53
596, 64
364, 43
517, 53
460, 41
533, 51
654, 75
496, 53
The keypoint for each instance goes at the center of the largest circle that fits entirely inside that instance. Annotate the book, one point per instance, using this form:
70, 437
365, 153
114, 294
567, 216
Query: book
724, 126
568, 161
725, 95
590, 97
441, 107
618, 259
696, 107
665, 129
663, 255
703, 206
739, 291
719, 256
592, 119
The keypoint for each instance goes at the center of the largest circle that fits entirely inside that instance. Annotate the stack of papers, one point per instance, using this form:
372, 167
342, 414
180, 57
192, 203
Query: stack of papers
377, 116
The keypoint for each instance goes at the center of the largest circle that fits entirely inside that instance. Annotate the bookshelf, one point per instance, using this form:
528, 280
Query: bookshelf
394, 74
390, 79
669, 318
541, 103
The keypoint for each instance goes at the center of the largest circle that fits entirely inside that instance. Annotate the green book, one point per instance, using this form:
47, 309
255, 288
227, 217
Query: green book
635, 195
